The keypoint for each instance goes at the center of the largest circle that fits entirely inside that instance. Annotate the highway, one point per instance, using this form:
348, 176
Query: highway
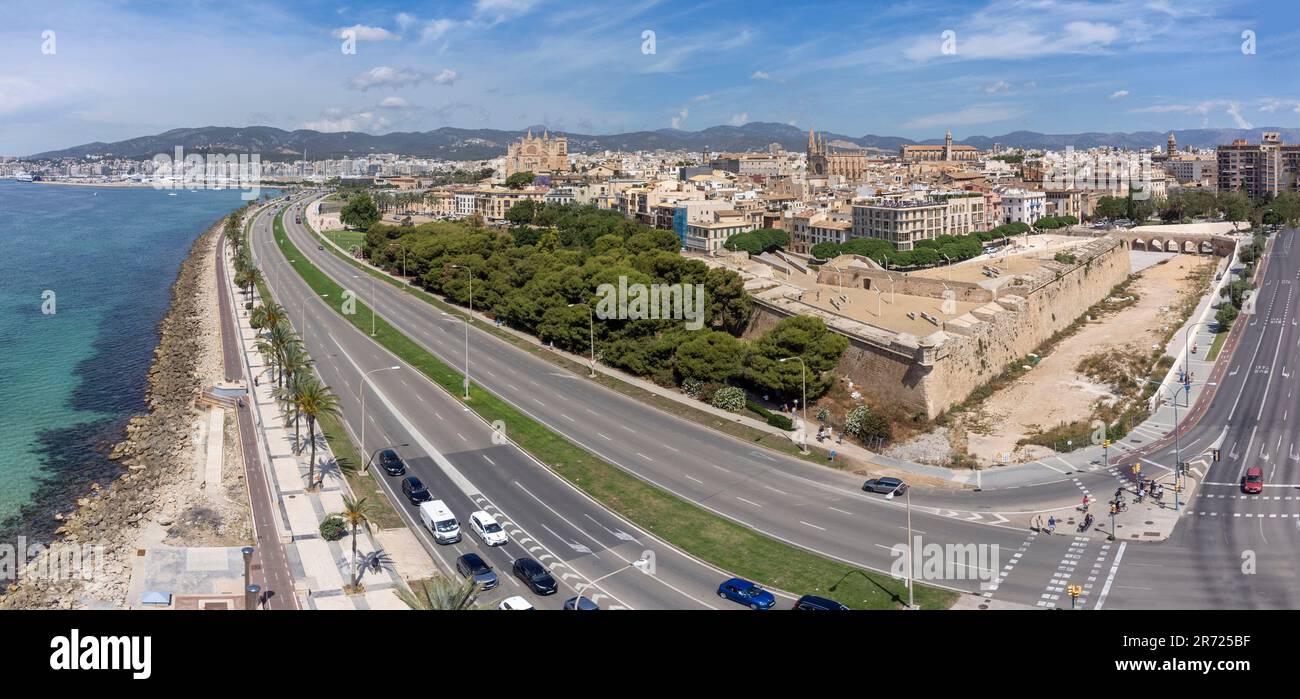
1233, 550
821, 509
452, 452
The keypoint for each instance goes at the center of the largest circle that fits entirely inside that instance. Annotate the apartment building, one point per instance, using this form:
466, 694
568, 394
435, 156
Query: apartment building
964, 214
1258, 170
1023, 205
901, 222
708, 233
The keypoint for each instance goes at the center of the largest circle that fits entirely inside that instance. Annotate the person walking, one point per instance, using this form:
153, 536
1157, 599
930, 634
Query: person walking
1051, 524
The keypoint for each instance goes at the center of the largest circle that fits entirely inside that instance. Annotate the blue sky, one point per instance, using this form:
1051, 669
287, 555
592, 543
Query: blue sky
124, 69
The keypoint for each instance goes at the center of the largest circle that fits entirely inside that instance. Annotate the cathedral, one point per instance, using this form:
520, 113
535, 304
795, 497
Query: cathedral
538, 155
824, 163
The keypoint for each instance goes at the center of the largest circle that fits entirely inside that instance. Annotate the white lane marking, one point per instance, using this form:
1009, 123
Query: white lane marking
750, 502
695, 479
814, 526
1110, 578
604, 437
644, 456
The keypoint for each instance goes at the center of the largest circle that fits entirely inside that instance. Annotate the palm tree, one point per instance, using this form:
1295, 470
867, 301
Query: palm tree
252, 277
356, 513
315, 400
268, 315
279, 338
441, 594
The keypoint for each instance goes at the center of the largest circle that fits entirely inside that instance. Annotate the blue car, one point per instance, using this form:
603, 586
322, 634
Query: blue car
744, 592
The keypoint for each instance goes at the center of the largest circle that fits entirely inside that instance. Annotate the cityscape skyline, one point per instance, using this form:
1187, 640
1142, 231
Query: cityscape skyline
984, 69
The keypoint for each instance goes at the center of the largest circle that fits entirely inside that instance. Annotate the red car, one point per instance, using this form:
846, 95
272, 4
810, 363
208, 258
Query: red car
1254, 481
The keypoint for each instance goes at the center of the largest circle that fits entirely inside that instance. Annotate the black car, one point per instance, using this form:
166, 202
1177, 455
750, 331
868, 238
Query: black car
536, 577
471, 565
581, 604
415, 491
819, 603
885, 485
392, 463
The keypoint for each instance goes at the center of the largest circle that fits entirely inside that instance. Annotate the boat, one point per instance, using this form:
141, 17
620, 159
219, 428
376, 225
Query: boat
23, 177
171, 194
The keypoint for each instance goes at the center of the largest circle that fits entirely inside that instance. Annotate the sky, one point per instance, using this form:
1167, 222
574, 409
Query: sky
77, 72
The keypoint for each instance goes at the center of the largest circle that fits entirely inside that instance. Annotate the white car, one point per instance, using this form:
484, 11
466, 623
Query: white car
487, 529
514, 604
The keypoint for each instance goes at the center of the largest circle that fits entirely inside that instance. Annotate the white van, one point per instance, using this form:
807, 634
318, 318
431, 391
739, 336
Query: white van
440, 521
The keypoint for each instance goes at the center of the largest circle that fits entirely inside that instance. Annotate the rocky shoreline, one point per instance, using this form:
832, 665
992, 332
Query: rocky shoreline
157, 452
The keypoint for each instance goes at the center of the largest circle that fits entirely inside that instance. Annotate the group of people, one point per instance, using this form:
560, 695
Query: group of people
1150, 487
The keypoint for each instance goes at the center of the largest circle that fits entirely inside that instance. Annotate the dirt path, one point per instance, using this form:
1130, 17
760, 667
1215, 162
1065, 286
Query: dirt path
1054, 391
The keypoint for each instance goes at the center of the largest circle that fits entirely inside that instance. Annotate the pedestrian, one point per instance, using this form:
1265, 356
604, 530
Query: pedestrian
257, 381
1085, 503
1051, 524
830, 432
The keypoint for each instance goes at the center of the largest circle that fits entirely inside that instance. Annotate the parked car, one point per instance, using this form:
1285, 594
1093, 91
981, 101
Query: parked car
471, 565
581, 604
750, 594
535, 576
414, 490
487, 529
392, 463
813, 602
515, 604
888, 484
1253, 483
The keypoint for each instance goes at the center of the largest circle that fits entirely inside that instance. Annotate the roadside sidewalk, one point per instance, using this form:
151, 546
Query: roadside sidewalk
320, 568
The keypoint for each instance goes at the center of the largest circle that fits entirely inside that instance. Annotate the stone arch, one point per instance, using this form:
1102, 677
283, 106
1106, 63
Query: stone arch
1171, 246
1189, 247
1139, 244
1155, 245
1207, 248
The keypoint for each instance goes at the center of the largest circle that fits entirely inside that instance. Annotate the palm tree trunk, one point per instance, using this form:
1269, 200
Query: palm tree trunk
311, 467
354, 557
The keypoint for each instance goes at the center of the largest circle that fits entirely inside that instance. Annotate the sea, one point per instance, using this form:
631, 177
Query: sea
85, 278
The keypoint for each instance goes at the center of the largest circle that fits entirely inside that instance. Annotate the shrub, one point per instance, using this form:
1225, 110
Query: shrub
692, 387
781, 421
1065, 258
729, 398
756, 408
823, 415
333, 528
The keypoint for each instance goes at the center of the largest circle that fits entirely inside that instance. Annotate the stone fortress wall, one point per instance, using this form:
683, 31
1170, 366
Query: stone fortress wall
930, 374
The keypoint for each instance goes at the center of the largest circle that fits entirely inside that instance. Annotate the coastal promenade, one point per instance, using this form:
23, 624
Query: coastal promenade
270, 566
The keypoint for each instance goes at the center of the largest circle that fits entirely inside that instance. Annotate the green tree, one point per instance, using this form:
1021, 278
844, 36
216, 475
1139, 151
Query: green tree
519, 180
709, 355
1111, 208
357, 513
440, 594
796, 336
360, 212
314, 401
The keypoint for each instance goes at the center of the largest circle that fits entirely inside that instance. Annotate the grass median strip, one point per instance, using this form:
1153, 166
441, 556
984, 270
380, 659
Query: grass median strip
691, 528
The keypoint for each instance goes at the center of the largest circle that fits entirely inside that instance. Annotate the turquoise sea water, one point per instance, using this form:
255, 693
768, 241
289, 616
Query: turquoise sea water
70, 380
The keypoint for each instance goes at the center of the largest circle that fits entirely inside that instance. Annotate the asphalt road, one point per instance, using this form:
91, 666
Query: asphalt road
452, 451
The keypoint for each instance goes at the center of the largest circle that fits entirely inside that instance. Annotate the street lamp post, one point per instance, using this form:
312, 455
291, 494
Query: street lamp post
591, 328
247, 552
639, 564
362, 391
1178, 456
907, 493
403, 249
803, 379
468, 318
949, 259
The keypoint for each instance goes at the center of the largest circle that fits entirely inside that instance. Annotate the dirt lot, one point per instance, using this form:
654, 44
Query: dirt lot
1055, 391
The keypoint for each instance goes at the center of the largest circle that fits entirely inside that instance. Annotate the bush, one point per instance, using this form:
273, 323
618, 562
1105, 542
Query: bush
864, 424
333, 528
823, 415
729, 398
1065, 258
781, 421
692, 387
1225, 316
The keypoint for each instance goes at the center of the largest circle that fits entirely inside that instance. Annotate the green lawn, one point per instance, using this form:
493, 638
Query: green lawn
1216, 346
685, 525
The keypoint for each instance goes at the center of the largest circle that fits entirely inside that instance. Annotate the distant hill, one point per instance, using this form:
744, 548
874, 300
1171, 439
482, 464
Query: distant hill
478, 144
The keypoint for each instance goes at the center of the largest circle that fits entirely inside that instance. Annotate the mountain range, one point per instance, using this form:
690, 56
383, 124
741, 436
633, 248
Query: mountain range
451, 143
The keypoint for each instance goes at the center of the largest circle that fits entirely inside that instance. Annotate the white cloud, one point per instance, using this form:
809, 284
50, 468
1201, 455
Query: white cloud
1234, 110
761, 75
394, 103
405, 20
703, 98
996, 87
963, 117
335, 119
435, 29
364, 33
739, 119
1119, 94
387, 76
680, 118
496, 11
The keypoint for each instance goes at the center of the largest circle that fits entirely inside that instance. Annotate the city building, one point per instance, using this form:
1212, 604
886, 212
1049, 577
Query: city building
900, 222
537, 155
1022, 205
945, 153
708, 232
1258, 170
823, 162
